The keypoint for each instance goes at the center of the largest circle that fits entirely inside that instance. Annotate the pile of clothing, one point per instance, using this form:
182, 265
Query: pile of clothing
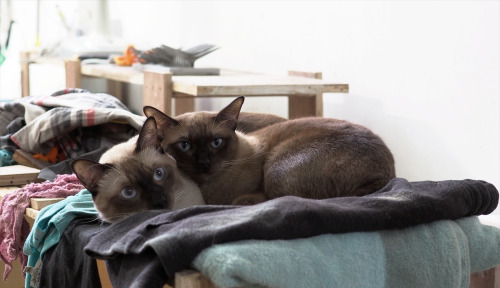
68, 124
55, 130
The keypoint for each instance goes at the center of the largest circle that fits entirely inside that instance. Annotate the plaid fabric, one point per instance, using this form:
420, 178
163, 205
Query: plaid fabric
65, 115
13, 117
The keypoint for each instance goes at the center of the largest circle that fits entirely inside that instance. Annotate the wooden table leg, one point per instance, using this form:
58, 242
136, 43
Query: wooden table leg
303, 106
73, 74
157, 91
115, 88
184, 105
25, 73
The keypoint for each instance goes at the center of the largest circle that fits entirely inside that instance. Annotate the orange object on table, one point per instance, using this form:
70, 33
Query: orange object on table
129, 58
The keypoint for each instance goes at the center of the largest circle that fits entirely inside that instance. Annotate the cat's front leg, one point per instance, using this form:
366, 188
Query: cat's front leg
250, 199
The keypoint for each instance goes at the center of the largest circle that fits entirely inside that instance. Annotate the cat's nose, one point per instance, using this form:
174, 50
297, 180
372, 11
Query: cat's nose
203, 163
159, 201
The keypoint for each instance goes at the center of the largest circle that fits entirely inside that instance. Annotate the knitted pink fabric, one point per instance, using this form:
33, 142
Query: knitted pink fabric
14, 229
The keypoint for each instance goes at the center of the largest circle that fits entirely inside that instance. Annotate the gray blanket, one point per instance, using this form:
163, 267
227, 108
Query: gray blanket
170, 241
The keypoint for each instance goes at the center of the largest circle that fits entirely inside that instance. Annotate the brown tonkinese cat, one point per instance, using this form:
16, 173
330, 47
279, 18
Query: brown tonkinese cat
250, 122
136, 176
309, 157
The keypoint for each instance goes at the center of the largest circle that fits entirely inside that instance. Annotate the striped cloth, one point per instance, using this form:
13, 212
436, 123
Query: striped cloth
59, 119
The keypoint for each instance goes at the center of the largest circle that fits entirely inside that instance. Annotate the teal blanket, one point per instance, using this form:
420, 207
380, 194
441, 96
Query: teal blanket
439, 254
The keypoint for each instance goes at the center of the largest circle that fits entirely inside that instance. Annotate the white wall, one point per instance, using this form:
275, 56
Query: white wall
425, 75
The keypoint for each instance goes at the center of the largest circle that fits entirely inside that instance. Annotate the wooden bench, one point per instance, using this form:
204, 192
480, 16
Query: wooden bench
175, 95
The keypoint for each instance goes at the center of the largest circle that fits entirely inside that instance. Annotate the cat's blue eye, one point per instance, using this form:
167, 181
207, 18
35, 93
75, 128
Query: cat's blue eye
184, 145
128, 193
159, 174
216, 142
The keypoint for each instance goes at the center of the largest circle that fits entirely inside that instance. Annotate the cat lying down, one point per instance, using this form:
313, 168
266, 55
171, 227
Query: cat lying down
135, 176
311, 157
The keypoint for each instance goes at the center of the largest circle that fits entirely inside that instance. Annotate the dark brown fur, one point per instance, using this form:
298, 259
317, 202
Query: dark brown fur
309, 157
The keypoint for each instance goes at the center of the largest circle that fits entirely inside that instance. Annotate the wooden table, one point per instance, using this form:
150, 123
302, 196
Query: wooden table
304, 90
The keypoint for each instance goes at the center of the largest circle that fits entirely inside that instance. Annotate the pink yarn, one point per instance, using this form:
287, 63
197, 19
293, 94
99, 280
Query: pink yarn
14, 229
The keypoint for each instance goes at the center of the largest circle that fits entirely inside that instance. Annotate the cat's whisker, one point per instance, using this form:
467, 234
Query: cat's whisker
180, 192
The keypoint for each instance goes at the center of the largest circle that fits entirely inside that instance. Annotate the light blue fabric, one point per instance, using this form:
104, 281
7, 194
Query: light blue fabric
50, 224
438, 254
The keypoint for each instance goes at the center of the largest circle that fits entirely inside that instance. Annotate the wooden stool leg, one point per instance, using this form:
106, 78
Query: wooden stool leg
157, 91
73, 74
303, 106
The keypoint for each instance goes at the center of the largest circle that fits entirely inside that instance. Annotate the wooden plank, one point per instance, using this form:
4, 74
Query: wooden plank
40, 203
114, 72
24, 158
157, 91
253, 85
31, 213
17, 175
192, 279
483, 279
497, 277
302, 106
25, 73
305, 106
73, 75
227, 84
184, 105
314, 75
115, 88
103, 274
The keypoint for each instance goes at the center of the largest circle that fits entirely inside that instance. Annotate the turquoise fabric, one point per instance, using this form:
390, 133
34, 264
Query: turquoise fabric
438, 254
50, 225
6, 158
484, 244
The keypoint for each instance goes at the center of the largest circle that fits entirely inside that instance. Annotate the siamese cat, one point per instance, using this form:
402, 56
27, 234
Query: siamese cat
314, 157
248, 122
135, 176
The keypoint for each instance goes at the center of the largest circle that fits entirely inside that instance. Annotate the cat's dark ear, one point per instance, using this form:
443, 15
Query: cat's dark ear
229, 115
148, 136
89, 173
163, 122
